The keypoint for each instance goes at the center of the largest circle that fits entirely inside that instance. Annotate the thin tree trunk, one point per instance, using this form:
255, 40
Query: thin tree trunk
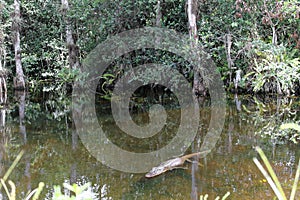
192, 17
158, 14
71, 43
19, 82
2, 118
273, 26
195, 172
192, 10
21, 97
3, 88
228, 43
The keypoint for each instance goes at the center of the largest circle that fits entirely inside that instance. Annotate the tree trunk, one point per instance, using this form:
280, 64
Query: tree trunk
192, 17
158, 14
20, 95
192, 10
3, 88
228, 43
19, 82
70, 40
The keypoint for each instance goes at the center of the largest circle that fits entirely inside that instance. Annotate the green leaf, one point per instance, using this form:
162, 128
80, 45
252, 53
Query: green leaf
290, 126
234, 24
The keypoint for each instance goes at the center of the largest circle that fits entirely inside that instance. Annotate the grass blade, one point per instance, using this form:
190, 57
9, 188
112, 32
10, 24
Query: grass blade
269, 179
293, 193
31, 194
39, 190
270, 170
226, 195
10, 169
6, 189
13, 190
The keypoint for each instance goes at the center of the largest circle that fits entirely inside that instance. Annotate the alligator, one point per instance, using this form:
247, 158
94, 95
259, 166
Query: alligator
173, 163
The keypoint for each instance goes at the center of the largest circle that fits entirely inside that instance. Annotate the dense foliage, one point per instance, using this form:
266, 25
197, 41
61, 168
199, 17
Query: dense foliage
258, 40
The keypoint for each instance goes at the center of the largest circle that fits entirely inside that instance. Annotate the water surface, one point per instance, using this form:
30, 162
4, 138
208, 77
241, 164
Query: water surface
54, 154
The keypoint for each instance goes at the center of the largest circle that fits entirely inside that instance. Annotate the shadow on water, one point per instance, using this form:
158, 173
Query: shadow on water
55, 154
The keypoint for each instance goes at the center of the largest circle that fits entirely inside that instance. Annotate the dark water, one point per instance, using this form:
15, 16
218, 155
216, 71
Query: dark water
54, 154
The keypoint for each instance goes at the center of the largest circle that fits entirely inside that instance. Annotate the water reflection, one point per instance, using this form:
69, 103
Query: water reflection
55, 154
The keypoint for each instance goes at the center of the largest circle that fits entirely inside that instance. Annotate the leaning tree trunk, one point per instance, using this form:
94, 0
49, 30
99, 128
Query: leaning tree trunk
73, 49
19, 82
192, 10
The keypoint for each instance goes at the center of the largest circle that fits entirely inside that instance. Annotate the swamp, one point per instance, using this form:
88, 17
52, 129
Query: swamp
159, 99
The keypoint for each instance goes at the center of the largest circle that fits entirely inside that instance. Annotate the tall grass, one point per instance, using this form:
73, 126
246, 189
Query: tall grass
272, 179
12, 194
